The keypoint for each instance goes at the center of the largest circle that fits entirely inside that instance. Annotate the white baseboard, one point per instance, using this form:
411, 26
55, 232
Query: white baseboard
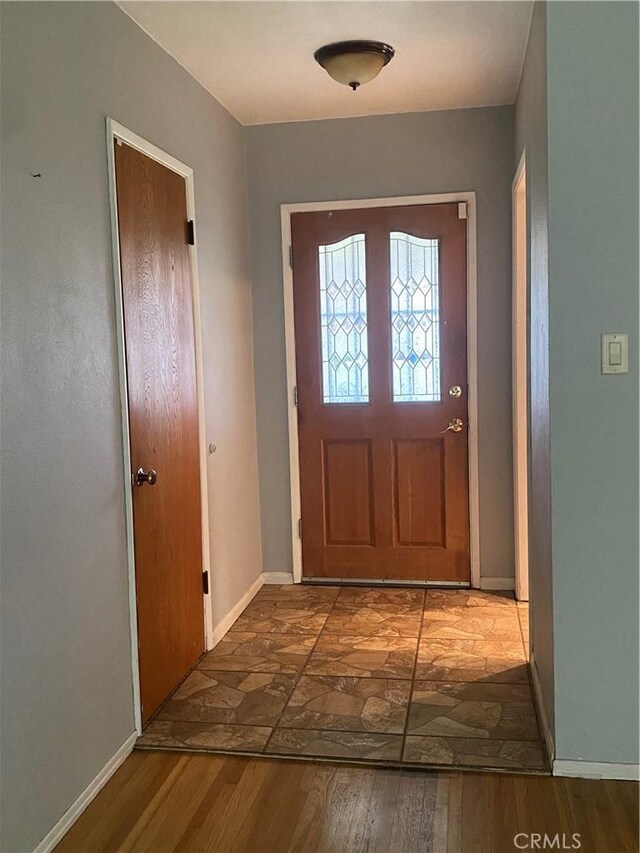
547, 733
596, 770
277, 577
227, 621
497, 583
57, 832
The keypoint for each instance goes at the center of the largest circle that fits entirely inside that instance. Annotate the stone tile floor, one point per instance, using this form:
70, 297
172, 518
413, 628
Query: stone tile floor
382, 675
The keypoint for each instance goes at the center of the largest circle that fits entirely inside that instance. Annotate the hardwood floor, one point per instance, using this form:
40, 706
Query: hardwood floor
170, 801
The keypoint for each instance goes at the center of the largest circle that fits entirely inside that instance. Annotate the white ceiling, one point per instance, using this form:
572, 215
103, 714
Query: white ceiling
256, 58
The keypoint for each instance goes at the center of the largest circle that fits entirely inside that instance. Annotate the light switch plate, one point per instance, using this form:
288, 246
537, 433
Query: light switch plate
615, 353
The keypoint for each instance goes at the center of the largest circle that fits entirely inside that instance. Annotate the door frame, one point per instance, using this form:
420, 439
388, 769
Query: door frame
520, 377
286, 210
118, 131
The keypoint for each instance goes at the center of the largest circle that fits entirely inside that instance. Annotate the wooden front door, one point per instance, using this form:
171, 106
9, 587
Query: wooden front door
381, 359
163, 420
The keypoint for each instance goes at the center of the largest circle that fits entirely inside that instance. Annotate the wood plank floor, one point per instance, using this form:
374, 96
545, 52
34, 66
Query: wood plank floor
170, 801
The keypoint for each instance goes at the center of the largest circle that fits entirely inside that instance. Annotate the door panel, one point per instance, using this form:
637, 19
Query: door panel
163, 420
380, 321
419, 493
348, 498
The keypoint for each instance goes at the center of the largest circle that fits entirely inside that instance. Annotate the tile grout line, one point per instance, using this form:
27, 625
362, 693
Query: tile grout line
464, 683
299, 674
196, 668
413, 677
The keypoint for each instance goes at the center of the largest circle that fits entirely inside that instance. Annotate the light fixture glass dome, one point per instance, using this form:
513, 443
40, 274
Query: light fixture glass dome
354, 62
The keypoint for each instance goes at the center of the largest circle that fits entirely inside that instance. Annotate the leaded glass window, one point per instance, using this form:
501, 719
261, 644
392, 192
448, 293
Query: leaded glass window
343, 318
415, 318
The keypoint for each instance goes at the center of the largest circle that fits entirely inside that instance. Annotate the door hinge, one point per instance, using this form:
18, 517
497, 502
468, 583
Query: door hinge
299, 528
462, 210
205, 583
295, 395
191, 237
291, 256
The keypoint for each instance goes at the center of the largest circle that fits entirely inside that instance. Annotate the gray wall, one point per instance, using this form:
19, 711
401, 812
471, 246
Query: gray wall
66, 676
531, 135
366, 158
592, 83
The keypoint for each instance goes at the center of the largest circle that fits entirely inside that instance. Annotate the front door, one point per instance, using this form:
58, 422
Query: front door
163, 420
381, 360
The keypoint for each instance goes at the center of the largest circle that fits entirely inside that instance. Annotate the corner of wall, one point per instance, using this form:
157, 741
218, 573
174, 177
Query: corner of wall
543, 713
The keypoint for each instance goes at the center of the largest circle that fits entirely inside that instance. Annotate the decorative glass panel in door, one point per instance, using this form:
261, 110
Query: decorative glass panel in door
415, 318
343, 320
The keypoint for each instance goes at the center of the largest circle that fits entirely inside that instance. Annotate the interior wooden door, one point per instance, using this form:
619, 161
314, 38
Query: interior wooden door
381, 358
163, 420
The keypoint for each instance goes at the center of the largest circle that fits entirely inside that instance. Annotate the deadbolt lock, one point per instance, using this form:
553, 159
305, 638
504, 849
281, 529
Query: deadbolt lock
455, 391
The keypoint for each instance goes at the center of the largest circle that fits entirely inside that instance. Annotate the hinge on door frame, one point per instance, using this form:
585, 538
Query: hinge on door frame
191, 237
295, 395
205, 583
462, 210
299, 528
291, 256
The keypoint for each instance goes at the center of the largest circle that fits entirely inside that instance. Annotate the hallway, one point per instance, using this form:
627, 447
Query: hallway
382, 675
295, 298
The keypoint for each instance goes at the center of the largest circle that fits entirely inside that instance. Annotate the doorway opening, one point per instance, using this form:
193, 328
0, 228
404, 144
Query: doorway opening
159, 353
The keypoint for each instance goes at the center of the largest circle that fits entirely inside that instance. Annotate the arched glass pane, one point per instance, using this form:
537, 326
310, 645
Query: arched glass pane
415, 318
343, 318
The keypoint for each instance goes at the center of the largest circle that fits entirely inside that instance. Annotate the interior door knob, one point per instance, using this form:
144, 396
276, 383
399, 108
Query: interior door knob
454, 425
141, 477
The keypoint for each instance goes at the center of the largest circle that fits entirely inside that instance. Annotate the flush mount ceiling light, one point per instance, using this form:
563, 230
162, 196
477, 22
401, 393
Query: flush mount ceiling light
354, 62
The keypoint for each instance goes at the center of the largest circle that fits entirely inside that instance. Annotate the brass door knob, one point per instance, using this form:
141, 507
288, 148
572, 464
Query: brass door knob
141, 477
454, 425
